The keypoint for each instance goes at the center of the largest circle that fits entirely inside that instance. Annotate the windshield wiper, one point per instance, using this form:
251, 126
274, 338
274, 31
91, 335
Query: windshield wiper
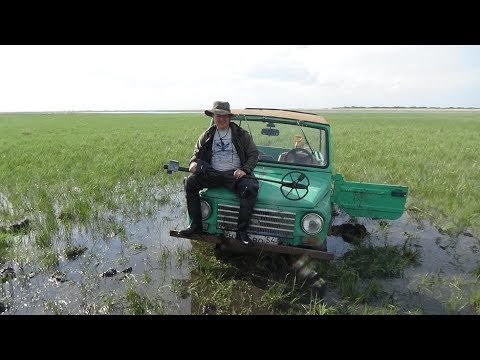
305, 136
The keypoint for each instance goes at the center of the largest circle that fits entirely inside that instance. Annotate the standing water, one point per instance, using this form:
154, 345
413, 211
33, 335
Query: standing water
445, 281
134, 266
131, 269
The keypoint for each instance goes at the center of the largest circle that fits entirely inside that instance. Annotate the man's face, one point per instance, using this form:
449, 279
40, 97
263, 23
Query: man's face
222, 121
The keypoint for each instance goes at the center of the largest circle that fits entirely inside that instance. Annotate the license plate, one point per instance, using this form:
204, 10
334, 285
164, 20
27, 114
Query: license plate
263, 239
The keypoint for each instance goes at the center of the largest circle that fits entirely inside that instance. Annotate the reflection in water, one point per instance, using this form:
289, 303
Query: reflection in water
150, 260
444, 275
78, 287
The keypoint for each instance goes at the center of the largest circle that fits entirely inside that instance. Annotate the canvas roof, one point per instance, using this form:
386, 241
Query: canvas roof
280, 113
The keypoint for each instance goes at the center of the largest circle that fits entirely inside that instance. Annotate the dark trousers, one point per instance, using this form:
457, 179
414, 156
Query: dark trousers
245, 188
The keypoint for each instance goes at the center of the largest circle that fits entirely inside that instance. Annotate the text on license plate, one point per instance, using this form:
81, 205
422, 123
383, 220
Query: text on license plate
264, 239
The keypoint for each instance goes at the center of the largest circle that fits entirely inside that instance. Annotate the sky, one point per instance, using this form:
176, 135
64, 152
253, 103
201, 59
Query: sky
192, 77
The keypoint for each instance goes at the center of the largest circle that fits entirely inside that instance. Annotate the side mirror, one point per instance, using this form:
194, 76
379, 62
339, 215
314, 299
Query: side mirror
270, 132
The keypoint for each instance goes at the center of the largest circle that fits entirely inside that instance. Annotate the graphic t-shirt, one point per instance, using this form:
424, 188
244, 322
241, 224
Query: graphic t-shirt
224, 154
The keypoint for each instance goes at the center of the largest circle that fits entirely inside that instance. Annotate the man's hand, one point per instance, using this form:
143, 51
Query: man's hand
238, 174
193, 167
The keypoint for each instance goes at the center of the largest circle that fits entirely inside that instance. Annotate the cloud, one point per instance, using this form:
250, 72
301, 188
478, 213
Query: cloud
55, 78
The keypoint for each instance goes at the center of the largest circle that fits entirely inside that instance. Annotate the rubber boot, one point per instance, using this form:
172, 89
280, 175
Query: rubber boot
244, 216
195, 214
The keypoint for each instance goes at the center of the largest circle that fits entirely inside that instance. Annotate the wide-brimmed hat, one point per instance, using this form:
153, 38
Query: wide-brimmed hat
219, 108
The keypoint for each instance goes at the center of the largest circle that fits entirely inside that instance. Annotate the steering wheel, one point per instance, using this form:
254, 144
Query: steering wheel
295, 185
299, 156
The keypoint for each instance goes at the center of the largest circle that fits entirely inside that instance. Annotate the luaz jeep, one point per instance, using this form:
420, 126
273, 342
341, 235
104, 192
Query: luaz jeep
297, 190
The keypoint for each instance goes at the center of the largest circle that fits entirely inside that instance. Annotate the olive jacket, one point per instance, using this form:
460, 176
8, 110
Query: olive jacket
241, 139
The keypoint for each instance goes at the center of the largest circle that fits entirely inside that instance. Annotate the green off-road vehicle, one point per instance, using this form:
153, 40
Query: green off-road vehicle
297, 191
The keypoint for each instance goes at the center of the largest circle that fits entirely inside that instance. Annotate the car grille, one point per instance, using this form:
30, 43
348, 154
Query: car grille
263, 221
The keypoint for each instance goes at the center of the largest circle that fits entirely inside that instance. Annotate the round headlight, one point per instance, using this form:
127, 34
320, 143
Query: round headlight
206, 209
312, 223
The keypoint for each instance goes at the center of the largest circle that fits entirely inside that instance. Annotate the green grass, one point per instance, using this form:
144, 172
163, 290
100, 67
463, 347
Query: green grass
380, 262
318, 307
140, 304
6, 243
75, 165
71, 163
79, 160
435, 155
209, 283
67, 169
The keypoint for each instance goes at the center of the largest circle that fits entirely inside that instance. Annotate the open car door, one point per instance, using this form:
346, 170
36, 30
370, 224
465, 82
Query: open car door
376, 201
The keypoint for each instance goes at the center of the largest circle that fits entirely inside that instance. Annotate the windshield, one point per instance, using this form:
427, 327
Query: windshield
288, 143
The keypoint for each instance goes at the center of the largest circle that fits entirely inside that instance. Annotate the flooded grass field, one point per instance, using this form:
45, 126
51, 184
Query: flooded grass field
132, 266
443, 279
400, 267
125, 266
86, 210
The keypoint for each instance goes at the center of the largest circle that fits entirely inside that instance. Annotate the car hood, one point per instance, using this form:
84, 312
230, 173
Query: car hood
271, 194
274, 194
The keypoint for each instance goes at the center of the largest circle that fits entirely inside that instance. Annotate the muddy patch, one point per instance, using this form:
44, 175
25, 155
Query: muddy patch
133, 266
444, 280
105, 272
404, 266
